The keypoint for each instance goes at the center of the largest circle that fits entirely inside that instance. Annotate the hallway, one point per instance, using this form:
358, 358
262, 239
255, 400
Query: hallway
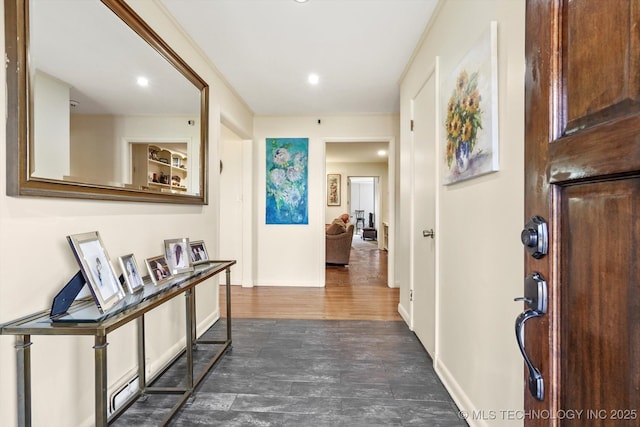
323, 357
356, 292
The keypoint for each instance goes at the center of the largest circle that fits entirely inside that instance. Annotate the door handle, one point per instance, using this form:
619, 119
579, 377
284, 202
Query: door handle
429, 233
535, 296
536, 382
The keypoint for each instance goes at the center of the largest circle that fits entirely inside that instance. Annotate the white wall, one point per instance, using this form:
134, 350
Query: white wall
36, 261
101, 152
480, 258
293, 255
232, 227
51, 130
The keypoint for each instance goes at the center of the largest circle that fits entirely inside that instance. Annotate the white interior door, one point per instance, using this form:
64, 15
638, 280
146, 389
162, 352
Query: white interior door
423, 307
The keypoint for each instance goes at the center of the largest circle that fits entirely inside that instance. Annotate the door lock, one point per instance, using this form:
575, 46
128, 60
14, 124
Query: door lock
535, 296
535, 237
535, 293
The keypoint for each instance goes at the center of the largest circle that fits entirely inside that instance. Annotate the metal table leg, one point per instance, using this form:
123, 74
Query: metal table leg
142, 370
228, 277
189, 337
23, 362
100, 348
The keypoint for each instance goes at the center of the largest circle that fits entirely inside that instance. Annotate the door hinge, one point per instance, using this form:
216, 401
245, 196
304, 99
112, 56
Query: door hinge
411, 125
411, 295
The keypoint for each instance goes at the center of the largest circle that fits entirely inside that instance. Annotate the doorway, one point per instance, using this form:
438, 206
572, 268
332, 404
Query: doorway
366, 157
364, 202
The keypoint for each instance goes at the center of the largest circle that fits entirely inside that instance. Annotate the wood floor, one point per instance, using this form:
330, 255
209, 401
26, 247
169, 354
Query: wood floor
356, 292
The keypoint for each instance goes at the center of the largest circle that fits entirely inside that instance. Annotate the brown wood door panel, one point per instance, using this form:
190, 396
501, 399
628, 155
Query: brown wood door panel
599, 327
600, 69
597, 152
582, 173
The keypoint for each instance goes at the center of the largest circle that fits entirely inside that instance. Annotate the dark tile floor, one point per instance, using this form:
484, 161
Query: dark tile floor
309, 373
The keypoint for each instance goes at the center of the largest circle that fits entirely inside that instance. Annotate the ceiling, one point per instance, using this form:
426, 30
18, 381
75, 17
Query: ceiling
356, 152
266, 49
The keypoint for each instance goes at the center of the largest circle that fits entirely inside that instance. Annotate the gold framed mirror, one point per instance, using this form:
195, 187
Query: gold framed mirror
100, 107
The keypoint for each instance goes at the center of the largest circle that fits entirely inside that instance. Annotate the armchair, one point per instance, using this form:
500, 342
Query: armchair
338, 247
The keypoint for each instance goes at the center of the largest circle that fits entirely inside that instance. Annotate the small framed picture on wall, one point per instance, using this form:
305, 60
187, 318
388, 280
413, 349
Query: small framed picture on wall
333, 189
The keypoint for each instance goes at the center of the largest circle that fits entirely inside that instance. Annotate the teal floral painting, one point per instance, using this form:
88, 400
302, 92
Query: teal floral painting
287, 177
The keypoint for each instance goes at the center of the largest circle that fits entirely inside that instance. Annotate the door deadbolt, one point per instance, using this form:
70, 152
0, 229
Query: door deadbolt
535, 237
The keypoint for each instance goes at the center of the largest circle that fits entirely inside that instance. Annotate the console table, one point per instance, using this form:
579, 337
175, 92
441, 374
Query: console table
84, 318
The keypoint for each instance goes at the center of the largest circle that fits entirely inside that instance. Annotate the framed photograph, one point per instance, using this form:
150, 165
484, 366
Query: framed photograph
198, 252
131, 274
177, 252
97, 269
333, 189
158, 269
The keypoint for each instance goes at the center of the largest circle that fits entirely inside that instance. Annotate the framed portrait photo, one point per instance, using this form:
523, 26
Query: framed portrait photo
97, 269
158, 269
198, 252
132, 276
177, 252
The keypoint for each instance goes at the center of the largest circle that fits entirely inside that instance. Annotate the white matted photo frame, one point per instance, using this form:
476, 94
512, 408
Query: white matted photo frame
158, 268
97, 269
132, 276
333, 189
198, 251
177, 253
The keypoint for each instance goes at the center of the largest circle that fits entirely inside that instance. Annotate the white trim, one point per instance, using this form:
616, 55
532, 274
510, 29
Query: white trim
405, 315
458, 395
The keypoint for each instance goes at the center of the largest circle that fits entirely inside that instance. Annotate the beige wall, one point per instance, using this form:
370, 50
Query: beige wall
36, 261
479, 256
301, 247
232, 181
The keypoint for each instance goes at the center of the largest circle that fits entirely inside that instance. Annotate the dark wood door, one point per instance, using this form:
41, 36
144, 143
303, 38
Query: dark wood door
582, 174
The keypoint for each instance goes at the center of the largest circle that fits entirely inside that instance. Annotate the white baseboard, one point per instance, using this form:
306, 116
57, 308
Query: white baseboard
297, 284
405, 316
208, 321
458, 395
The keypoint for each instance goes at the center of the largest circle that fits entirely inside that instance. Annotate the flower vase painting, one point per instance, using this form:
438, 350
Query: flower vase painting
470, 103
286, 181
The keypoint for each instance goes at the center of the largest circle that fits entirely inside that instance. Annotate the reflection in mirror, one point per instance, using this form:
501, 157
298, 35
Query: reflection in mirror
101, 95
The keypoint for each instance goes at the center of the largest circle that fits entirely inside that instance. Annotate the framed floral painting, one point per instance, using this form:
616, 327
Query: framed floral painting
333, 189
470, 112
287, 181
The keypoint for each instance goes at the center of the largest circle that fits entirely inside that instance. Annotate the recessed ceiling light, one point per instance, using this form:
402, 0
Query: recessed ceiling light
314, 79
143, 81
382, 153
300, 1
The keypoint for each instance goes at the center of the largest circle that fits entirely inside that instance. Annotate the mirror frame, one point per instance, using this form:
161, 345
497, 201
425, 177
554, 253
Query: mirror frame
19, 115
